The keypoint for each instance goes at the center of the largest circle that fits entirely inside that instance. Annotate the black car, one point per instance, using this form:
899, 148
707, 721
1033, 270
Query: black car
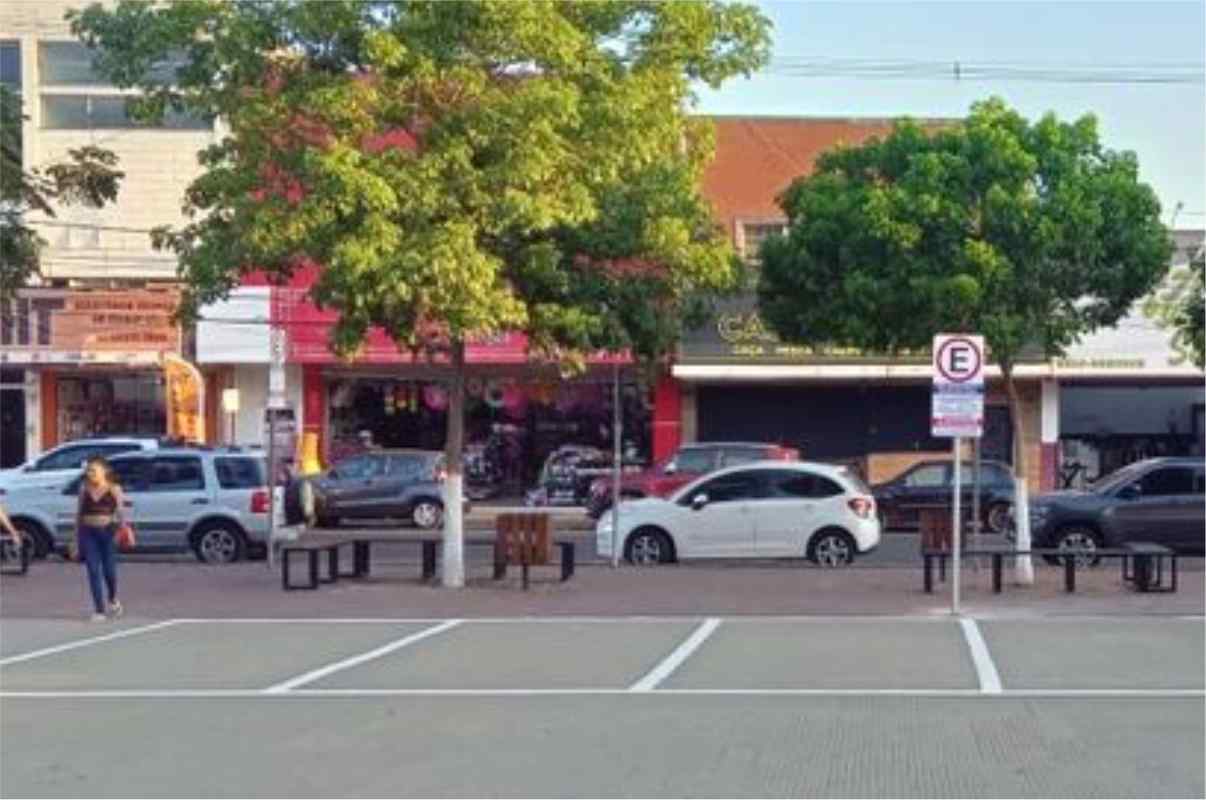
931, 483
1159, 500
404, 484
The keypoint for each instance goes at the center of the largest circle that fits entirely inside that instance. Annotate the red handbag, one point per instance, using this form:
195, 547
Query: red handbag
125, 536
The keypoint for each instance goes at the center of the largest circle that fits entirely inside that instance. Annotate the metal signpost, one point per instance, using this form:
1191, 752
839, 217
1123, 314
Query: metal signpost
276, 400
617, 430
957, 412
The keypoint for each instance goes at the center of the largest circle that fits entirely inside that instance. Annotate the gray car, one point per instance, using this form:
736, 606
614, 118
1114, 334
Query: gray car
406, 484
213, 502
1161, 500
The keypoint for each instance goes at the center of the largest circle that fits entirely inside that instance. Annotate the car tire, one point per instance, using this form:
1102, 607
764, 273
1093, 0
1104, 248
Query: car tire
996, 518
831, 548
648, 546
1076, 537
42, 543
219, 543
427, 514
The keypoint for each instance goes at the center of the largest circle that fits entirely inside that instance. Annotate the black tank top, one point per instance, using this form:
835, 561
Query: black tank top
105, 504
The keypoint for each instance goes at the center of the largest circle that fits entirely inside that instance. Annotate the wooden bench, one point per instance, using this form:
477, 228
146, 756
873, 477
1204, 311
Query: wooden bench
361, 548
1142, 564
21, 554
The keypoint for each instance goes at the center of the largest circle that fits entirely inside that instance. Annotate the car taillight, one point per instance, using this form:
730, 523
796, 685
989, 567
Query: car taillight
259, 501
862, 506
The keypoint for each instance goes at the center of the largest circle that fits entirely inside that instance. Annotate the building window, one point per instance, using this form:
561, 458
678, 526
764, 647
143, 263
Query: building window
753, 234
10, 65
85, 112
66, 64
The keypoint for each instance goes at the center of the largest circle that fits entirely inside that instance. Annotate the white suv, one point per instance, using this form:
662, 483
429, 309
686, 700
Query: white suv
213, 502
56, 467
768, 509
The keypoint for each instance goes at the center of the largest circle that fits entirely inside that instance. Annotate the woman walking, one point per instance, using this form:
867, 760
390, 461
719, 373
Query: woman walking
97, 518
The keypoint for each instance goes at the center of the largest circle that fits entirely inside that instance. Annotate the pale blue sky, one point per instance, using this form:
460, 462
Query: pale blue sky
1165, 124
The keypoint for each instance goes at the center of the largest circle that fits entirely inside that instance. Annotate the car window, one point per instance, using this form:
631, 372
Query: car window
696, 459
360, 467
731, 488
994, 474
175, 474
239, 473
803, 485
130, 474
406, 467
1167, 481
67, 458
735, 456
927, 475
1199, 482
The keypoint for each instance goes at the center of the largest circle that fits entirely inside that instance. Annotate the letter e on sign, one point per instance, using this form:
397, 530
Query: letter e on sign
958, 360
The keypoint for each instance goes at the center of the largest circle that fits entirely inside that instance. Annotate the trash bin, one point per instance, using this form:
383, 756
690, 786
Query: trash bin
936, 528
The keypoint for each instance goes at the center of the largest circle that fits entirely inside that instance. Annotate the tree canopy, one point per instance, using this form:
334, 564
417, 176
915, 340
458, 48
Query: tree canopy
1031, 233
88, 177
1180, 306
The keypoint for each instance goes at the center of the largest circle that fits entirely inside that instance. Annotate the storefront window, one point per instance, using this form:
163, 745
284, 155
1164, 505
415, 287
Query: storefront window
105, 405
512, 426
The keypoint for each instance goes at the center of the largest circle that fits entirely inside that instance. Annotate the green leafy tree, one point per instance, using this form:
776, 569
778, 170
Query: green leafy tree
1180, 306
1030, 233
87, 177
458, 169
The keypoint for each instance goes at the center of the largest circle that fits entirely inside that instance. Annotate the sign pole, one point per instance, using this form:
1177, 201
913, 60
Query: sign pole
271, 487
616, 467
975, 512
956, 529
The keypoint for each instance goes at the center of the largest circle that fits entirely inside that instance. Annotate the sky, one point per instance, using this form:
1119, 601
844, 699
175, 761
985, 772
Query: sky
1164, 124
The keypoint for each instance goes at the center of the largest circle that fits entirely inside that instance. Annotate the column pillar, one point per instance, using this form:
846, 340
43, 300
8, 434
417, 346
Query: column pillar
667, 417
1049, 440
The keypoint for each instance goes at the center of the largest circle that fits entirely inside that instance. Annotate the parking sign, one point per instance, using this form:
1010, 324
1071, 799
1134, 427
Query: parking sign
958, 394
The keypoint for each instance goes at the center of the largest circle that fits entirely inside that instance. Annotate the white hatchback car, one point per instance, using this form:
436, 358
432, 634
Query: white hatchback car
767, 509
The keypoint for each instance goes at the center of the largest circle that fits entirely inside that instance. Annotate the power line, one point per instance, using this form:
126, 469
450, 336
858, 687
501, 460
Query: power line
1149, 72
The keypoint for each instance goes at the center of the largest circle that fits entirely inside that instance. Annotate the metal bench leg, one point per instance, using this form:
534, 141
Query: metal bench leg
285, 570
1143, 572
429, 560
1173, 565
997, 560
360, 559
500, 562
1070, 573
313, 554
332, 564
928, 573
567, 560
942, 567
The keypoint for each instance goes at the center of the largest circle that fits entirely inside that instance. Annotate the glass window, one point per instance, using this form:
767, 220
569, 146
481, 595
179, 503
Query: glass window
239, 473
731, 488
735, 456
10, 65
1167, 481
406, 467
67, 458
66, 63
800, 484
361, 467
1199, 482
696, 459
131, 474
995, 474
927, 475
84, 112
754, 234
176, 474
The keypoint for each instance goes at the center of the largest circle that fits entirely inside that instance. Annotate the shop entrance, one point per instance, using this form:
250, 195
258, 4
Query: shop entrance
12, 419
108, 404
514, 425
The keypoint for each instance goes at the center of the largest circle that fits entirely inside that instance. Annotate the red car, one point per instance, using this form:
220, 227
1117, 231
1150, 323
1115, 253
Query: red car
690, 462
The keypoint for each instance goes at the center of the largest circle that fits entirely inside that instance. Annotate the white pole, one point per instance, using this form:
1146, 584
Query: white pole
956, 528
271, 485
616, 467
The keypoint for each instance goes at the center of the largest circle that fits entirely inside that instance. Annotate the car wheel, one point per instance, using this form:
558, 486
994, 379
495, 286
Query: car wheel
1081, 540
832, 548
427, 514
219, 543
648, 546
997, 517
32, 531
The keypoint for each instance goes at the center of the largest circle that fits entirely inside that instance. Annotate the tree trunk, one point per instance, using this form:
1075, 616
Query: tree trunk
454, 485
1023, 567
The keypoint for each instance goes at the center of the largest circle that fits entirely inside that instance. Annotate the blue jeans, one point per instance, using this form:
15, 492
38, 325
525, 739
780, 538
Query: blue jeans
99, 552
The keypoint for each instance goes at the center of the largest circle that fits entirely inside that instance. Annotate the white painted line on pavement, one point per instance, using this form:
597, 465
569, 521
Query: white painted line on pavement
302, 694
676, 658
322, 672
986, 671
63, 648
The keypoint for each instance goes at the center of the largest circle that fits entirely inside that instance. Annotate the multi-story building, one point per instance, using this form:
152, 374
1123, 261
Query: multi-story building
82, 351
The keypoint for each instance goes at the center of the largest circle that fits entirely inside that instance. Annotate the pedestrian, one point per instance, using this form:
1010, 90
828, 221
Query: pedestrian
98, 516
6, 525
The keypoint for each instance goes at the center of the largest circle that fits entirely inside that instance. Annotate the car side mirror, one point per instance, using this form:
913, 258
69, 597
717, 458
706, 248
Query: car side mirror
699, 501
670, 468
1130, 492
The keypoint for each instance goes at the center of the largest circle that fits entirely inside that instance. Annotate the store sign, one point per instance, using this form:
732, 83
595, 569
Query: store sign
56, 326
958, 394
738, 333
185, 390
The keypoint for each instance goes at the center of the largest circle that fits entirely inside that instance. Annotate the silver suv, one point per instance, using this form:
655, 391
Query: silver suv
212, 501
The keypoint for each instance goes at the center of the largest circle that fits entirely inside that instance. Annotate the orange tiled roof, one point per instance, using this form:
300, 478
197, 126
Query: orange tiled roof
758, 157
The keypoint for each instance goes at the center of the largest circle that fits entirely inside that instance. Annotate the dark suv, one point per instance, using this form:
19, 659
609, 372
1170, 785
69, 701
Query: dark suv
383, 483
688, 463
1159, 500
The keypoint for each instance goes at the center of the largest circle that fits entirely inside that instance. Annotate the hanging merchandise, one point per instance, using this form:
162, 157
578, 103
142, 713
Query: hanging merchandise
435, 397
474, 387
495, 395
341, 395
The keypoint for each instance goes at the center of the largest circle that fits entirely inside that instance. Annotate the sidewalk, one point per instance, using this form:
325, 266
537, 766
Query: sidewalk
169, 589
